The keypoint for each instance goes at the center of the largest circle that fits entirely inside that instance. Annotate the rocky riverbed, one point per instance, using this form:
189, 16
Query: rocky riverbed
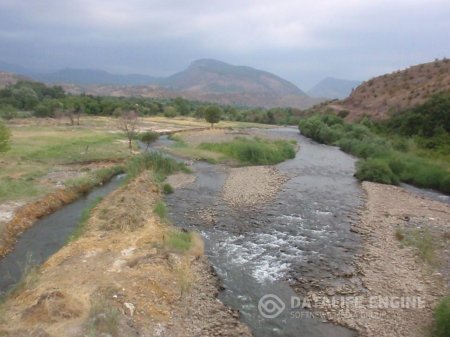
401, 281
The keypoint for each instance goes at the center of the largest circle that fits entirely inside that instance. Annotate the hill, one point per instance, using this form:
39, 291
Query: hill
92, 76
204, 80
10, 79
333, 88
385, 95
212, 76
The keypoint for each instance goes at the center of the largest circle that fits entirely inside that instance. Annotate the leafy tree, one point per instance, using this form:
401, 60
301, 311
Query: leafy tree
128, 123
213, 114
4, 137
148, 138
170, 111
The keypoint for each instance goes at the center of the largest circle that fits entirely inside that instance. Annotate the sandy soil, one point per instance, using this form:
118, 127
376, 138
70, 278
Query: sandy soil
249, 186
122, 279
389, 268
179, 180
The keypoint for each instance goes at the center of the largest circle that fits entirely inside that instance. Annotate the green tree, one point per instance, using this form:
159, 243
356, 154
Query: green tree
4, 137
148, 138
213, 114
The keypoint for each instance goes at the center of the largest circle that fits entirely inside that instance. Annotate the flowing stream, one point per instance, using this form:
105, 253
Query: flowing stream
47, 236
303, 234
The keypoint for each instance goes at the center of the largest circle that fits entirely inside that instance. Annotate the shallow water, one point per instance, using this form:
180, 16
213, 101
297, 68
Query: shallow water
303, 233
47, 236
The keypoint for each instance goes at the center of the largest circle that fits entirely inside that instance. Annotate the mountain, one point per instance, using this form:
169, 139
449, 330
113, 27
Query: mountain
333, 88
212, 76
92, 76
385, 95
204, 80
10, 79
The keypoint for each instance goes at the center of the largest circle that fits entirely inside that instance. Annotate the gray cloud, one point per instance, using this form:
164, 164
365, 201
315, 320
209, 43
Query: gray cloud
302, 41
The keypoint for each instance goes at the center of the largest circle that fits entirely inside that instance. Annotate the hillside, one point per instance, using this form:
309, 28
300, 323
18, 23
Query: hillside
10, 79
204, 80
387, 94
92, 76
212, 76
333, 88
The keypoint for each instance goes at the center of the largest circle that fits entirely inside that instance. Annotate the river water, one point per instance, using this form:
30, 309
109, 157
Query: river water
47, 236
301, 237
303, 234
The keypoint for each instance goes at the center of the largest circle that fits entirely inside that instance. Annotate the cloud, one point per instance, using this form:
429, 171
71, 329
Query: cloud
300, 40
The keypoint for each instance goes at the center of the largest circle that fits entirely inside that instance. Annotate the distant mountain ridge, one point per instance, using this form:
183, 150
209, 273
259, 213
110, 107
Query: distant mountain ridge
204, 80
333, 88
93, 76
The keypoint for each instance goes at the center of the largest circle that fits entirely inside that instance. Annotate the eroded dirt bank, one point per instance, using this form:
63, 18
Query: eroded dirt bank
122, 278
391, 268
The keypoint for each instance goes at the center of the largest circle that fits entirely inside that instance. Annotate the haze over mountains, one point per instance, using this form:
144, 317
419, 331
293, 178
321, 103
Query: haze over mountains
205, 80
333, 88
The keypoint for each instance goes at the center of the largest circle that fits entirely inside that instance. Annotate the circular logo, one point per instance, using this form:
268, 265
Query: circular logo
270, 306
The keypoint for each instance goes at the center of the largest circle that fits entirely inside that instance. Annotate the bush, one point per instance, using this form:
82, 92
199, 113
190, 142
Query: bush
160, 165
179, 240
167, 189
442, 318
161, 210
148, 138
254, 151
375, 170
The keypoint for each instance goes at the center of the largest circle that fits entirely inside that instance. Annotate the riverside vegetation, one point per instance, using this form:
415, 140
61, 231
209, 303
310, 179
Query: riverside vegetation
412, 147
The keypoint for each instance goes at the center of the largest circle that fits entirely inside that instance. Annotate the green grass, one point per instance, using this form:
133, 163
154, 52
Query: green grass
254, 151
160, 209
442, 318
179, 240
160, 165
36, 150
422, 240
81, 227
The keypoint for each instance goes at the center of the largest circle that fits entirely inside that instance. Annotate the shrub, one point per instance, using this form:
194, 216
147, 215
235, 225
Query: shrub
375, 170
179, 240
167, 189
161, 210
254, 151
148, 137
160, 165
442, 318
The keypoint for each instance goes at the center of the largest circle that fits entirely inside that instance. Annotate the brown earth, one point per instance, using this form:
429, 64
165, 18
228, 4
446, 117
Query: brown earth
387, 94
388, 267
122, 278
250, 186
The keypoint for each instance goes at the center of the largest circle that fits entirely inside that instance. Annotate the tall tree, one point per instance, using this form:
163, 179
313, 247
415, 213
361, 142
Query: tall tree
128, 123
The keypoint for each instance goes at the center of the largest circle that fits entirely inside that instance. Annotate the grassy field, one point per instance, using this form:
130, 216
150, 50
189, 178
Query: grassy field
47, 147
38, 150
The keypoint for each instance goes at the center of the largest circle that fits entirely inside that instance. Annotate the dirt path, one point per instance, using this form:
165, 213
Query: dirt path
122, 278
391, 269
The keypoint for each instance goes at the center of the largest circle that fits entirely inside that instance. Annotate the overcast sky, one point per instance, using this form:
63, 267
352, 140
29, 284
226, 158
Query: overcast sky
302, 41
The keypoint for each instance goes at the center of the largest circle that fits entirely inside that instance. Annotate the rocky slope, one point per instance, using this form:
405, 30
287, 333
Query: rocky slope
383, 95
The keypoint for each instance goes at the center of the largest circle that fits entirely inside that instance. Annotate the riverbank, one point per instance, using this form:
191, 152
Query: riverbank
404, 255
131, 279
